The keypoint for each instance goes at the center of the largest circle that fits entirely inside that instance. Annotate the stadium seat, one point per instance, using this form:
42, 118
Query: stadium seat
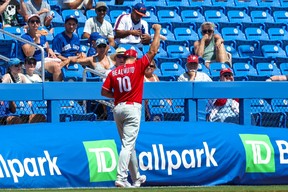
267, 68
270, 3
215, 16
161, 52
18, 31
58, 30
157, 108
168, 14
151, 15
278, 34
244, 69
154, 2
11, 48
39, 107
191, 15
279, 105
232, 33
282, 64
215, 69
185, 31
238, 16
23, 108
57, 20
166, 31
90, 13
170, 67
178, 3
254, 33
272, 51
248, 48
71, 107
259, 16
223, 3
78, 13
240, 3
280, 16
177, 51
283, 3
203, 68
73, 72
197, 3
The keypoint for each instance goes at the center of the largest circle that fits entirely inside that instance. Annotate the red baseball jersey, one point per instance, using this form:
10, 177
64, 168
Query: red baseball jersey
127, 81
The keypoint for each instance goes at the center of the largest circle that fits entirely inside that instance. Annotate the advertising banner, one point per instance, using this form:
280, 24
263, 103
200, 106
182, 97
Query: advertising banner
85, 154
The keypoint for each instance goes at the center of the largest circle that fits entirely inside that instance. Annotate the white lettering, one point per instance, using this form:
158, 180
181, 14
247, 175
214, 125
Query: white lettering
256, 148
100, 157
283, 150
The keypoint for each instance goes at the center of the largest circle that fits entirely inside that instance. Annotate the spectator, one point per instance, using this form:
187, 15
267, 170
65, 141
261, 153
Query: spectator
52, 63
42, 8
211, 46
100, 62
131, 28
224, 110
118, 57
75, 4
9, 10
14, 75
92, 40
192, 74
31, 77
278, 78
66, 45
7, 109
99, 24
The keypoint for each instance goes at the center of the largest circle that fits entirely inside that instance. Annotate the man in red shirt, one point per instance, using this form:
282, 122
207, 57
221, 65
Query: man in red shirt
125, 85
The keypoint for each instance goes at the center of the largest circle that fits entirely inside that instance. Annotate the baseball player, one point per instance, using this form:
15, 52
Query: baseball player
125, 85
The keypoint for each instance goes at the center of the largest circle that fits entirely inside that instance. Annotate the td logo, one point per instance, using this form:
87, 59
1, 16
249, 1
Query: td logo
259, 153
102, 158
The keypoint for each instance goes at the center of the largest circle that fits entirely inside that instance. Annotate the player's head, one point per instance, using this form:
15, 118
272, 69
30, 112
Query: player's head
130, 55
139, 11
192, 63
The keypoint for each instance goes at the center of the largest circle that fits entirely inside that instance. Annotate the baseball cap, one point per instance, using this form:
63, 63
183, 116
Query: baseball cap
71, 17
100, 41
192, 59
33, 15
225, 70
140, 9
119, 51
14, 61
101, 4
94, 36
28, 59
131, 53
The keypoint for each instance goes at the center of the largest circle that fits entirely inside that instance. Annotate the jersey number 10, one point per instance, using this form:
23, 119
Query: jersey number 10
124, 84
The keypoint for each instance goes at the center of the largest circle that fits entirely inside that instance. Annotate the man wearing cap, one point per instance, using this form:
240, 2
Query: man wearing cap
99, 24
211, 46
118, 57
191, 73
224, 110
67, 44
131, 28
52, 63
75, 4
42, 8
31, 77
125, 85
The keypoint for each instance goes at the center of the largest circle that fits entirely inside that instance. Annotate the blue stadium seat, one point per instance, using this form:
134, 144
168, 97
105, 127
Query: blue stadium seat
178, 3
151, 15
168, 14
238, 16
58, 30
185, 31
244, 69
259, 16
71, 107
279, 105
200, 3
11, 48
154, 2
166, 31
90, 13
170, 67
223, 3
270, 3
215, 16
18, 31
248, 48
177, 51
254, 33
204, 69
116, 10
230, 47
267, 68
161, 52
282, 64
273, 51
232, 33
23, 108
78, 13
240, 3
284, 3
215, 69
157, 108
277, 33
280, 16
73, 72
192, 15
57, 20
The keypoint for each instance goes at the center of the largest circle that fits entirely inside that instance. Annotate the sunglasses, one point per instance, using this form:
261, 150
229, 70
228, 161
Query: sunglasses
228, 75
19, 65
101, 10
120, 56
207, 31
34, 21
31, 63
152, 66
102, 46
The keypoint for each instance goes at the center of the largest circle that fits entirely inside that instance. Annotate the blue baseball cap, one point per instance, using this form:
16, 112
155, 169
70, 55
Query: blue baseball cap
101, 41
140, 9
94, 36
71, 17
14, 61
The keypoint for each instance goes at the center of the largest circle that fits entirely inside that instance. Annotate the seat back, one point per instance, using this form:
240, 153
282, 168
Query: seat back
78, 13
259, 16
73, 72
232, 33
216, 67
279, 105
278, 34
192, 16
267, 69
238, 16
57, 20
166, 15
255, 33
244, 69
215, 16
272, 51
177, 51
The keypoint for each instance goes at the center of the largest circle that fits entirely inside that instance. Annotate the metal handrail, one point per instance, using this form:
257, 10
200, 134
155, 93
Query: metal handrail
30, 43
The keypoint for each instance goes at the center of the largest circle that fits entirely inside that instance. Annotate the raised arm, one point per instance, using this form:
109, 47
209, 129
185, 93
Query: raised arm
155, 43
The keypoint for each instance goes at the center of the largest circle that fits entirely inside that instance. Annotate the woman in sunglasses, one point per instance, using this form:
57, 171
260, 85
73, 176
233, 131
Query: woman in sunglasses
211, 46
